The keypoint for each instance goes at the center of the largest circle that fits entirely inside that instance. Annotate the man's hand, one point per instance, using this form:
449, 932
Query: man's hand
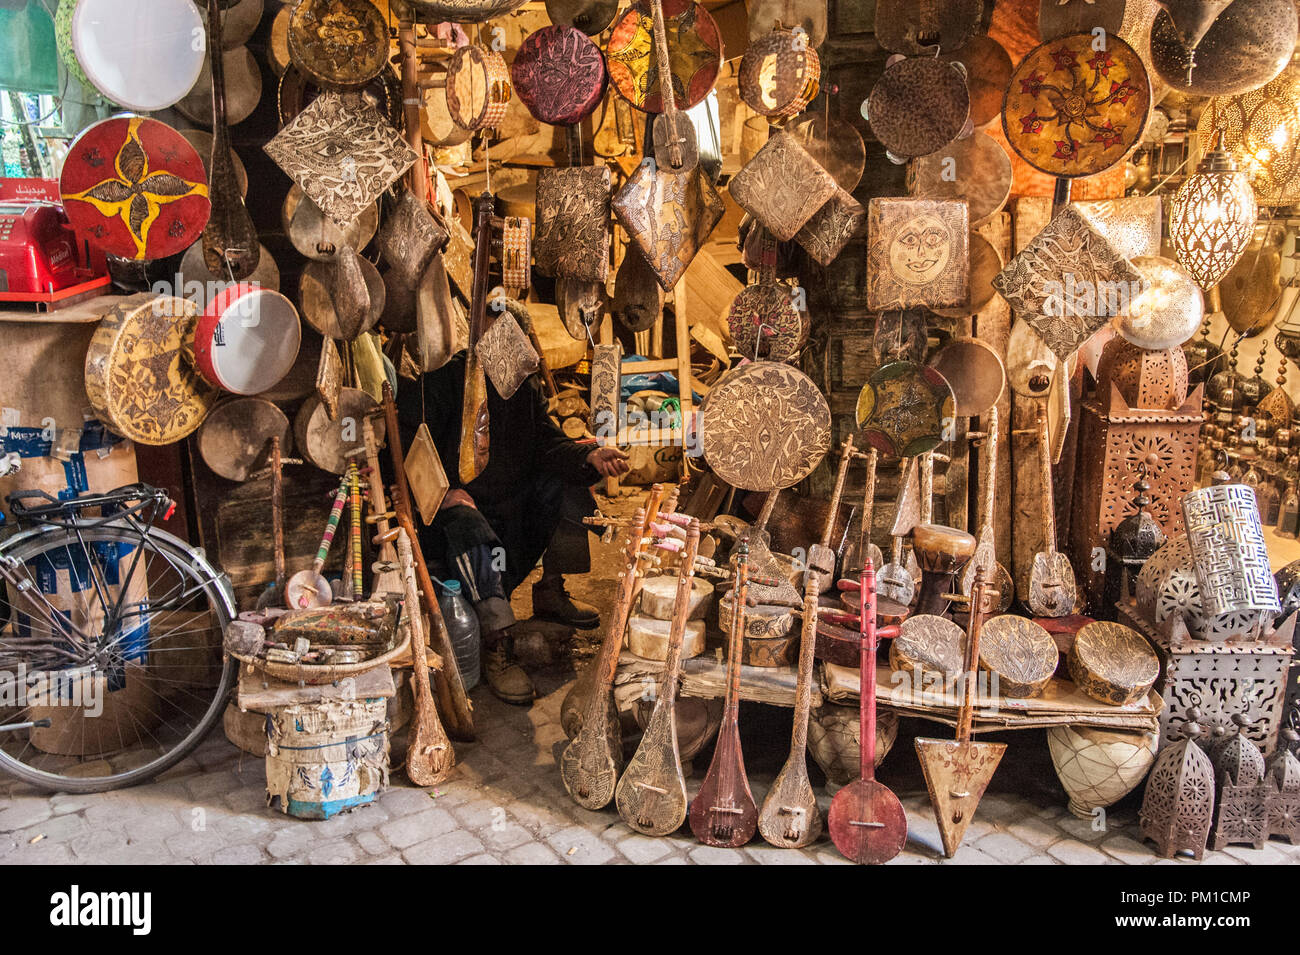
610, 462
457, 497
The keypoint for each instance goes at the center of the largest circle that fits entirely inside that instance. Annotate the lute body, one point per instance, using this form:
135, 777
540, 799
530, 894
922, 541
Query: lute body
1053, 591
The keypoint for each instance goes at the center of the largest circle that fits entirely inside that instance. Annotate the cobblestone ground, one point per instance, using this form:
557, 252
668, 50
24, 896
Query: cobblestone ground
505, 804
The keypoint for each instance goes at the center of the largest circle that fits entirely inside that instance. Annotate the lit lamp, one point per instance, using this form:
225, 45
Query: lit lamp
1261, 130
1213, 217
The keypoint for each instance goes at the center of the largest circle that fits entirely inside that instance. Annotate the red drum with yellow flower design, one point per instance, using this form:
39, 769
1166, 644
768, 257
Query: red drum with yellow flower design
135, 188
1076, 105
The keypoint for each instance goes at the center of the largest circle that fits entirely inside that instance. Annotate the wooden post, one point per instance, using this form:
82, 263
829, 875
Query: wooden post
418, 177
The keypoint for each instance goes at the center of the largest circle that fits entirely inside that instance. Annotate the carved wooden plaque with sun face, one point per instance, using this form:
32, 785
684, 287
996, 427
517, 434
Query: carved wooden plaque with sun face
917, 253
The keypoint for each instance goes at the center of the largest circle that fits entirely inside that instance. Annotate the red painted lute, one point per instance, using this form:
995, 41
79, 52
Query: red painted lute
867, 822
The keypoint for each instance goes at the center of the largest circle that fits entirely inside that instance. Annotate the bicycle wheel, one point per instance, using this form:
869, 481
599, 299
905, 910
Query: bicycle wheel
87, 705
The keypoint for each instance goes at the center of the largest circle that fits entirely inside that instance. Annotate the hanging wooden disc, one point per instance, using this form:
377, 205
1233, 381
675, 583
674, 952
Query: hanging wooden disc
316, 297
1056, 19
975, 168
694, 49
478, 88
201, 140
338, 44
764, 426
638, 297
835, 145
325, 442
765, 323
901, 25
559, 75
138, 379
780, 74
234, 438
988, 71
918, 106
135, 188
592, 17
197, 283
1019, 653
903, 409
985, 264
315, 235
243, 80
974, 372
1071, 110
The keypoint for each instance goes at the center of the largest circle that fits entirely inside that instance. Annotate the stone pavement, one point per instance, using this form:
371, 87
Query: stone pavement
505, 804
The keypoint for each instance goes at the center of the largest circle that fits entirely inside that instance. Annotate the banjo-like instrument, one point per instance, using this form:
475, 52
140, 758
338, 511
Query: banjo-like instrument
651, 795
230, 241
866, 819
790, 817
986, 554
590, 764
723, 812
1053, 590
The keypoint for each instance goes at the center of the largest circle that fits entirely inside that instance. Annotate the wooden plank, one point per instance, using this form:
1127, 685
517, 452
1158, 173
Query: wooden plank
710, 289
705, 677
261, 693
993, 326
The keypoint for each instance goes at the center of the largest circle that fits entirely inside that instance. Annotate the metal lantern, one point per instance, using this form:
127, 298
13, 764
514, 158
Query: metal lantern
1261, 129
1213, 217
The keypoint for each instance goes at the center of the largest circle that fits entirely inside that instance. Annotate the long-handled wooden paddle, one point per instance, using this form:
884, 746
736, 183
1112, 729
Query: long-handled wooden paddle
723, 812
429, 756
957, 771
867, 822
651, 794
896, 582
790, 817
590, 764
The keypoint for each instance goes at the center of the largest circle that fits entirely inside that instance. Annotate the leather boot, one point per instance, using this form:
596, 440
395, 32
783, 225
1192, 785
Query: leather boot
504, 677
551, 600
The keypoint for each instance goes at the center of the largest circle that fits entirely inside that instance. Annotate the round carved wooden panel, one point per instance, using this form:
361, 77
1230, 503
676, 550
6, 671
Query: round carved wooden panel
1072, 110
134, 187
138, 379
931, 645
765, 323
341, 44
903, 408
918, 106
764, 426
1020, 653
694, 53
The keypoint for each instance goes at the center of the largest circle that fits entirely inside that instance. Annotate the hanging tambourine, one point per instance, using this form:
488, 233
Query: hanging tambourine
478, 88
918, 106
780, 74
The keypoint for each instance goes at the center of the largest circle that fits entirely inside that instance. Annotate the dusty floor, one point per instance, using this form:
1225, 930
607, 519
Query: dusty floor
505, 803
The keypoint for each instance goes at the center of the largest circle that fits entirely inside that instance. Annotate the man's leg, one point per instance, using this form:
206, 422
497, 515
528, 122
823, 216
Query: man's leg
475, 556
567, 552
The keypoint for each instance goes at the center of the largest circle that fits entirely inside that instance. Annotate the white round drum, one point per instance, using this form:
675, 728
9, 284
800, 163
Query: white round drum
247, 339
143, 54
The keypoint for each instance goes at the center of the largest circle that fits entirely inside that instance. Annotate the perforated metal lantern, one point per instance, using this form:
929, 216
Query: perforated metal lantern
1213, 218
1261, 130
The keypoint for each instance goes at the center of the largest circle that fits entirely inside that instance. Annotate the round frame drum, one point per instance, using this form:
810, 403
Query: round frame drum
247, 339
478, 88
139, 53
694, 52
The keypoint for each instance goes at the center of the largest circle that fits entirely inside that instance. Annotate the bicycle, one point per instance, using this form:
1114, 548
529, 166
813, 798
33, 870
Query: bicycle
111, 661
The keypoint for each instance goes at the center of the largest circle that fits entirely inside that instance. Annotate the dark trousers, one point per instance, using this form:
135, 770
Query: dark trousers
491, 549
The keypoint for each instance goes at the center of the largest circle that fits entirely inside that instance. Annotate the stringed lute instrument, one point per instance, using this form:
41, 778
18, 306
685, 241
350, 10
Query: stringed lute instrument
590, 764
673, 136
723, 812
790, 817
651, 795
1053, 590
